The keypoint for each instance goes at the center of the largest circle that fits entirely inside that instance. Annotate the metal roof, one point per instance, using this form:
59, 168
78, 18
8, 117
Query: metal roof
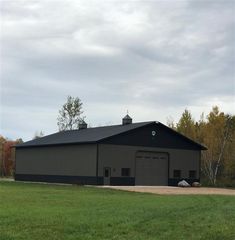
88, 135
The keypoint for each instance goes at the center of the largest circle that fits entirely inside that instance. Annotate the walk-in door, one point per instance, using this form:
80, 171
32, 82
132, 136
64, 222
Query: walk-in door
107, 175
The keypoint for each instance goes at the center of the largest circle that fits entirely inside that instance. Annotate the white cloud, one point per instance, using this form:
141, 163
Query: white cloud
154, 58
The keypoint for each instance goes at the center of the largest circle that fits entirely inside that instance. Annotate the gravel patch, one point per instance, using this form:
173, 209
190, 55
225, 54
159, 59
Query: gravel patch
167, 190
4, 179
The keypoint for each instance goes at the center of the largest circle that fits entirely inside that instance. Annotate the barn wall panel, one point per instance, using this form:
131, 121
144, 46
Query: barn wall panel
122, 156
76, 160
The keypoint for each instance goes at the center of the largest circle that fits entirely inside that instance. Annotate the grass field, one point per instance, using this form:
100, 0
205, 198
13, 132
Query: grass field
47, 212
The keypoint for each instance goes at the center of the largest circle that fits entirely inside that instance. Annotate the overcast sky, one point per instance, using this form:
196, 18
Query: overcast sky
154, 58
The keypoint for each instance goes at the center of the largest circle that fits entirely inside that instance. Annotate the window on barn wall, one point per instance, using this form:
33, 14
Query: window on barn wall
177, 174
126, 172
192, 174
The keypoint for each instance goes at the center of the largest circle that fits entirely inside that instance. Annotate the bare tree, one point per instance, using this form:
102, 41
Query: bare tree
70, 114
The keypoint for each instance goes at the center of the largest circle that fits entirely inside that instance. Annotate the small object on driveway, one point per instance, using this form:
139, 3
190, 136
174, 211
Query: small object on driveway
183, 183
196, 184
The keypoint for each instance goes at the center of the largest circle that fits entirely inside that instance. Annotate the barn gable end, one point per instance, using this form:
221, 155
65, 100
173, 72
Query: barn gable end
154, 135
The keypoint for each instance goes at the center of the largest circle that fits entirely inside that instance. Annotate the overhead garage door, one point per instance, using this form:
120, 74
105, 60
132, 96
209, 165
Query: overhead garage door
151, 168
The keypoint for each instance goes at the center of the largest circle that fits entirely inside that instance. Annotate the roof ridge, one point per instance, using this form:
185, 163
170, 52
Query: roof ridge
116, 125
87, 135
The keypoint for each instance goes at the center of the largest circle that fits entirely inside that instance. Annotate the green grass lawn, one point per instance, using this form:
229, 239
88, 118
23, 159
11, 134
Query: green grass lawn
39, 211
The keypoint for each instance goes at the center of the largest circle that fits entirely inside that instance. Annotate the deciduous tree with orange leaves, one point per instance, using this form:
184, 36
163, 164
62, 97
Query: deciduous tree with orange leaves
7, 156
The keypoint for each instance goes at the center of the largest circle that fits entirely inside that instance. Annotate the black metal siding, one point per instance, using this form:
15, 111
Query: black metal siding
83, 180
164, 138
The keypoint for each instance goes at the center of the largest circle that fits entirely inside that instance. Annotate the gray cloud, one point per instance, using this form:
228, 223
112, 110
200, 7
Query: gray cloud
154, 58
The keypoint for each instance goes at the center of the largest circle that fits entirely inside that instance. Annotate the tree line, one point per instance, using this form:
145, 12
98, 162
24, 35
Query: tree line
216, 131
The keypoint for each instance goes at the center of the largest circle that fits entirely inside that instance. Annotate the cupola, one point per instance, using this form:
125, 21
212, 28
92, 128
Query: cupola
126, 120
82, 125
